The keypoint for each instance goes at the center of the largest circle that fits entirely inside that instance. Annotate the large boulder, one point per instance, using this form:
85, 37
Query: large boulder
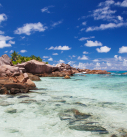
37, 67
7, 70
33, 77
5, 60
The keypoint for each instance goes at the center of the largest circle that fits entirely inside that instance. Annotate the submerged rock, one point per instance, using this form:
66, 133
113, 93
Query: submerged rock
66, 116
73, 114
28, 101
81, 104
78, 114
4, 103
11, 110
66, 77
91, 128
114, 135
23, 96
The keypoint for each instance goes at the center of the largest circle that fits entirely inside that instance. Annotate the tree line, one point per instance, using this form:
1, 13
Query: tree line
17, 58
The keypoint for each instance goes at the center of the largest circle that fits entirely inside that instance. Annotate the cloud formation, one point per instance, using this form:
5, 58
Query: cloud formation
84, 23
83, 58
92, 43
85, 38
103, 49
85, 52
1, 32
106, 26
45, 57
5, 41
23, 51
60, 48
3, 17
61, 61
55, 54
50, 59
123, 49
57, 23
28, 28
46, 9
122, 4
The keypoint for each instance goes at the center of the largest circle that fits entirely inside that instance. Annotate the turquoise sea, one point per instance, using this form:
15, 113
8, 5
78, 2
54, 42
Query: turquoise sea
49, 111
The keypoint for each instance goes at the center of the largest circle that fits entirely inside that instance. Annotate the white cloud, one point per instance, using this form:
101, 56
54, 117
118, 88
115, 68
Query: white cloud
61, 61
82, 29
107, 3
59, 48
71, 62
92, 43
83, 58
85, 52
115, 56
23, 51
97, 64
123, 49
104, 13
73, 56
106, 26
0, 5
30, 27
109, 64
118, 57
85, 38
3, 17
103, 49
80, 65
55, 54
56, 23
23, 37
122, 4
12, 42
46, 9
6, 51
50, 59
95, 60
11, 51
125, 62
84, 23
4, 41
120, 18
45, 57
1, 32
5, 38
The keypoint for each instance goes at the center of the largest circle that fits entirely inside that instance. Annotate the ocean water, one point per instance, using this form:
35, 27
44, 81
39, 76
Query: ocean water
48, 112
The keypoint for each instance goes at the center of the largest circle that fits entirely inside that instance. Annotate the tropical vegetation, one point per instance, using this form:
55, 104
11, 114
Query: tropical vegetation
17, 58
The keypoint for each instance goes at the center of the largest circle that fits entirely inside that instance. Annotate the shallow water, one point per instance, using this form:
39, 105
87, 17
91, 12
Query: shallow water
41, 113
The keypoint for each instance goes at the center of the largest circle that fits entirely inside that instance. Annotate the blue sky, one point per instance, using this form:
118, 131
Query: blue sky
85, 34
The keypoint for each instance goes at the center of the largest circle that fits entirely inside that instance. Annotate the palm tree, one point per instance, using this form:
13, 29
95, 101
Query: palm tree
14, 56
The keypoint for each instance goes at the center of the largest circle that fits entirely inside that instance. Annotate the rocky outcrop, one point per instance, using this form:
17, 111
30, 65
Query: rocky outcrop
36, 67
7, 70
64, 67
98, 72
5, 60
56, 74
33, 77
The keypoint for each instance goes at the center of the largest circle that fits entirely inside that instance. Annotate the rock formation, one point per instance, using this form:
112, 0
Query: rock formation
37, 67
12, 80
